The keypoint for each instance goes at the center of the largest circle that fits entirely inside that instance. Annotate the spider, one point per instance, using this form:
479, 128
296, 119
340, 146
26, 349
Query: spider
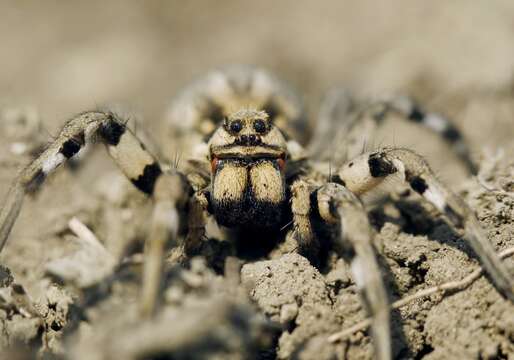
242, 129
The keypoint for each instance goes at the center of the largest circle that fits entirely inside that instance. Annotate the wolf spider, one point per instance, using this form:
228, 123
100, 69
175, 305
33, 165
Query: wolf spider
242, 129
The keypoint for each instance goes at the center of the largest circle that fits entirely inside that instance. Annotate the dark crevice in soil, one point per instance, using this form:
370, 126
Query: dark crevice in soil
427, 349
416, 220
502, 355
291, 326
271, 352
416, 270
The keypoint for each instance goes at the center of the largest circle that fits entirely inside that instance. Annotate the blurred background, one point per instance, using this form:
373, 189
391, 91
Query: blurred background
457, 57
59, 58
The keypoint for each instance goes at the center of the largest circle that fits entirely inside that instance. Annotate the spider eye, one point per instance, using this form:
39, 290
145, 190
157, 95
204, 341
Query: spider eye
236, 126
259, 125
214, 164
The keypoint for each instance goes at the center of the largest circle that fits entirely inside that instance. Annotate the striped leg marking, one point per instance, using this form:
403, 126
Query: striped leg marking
368, 170
437, 123
122, 145
343, 118
170, 191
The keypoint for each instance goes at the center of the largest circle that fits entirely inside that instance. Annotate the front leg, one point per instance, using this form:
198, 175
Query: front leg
168, 190
339, 207
170, 197
127, 151
367, 171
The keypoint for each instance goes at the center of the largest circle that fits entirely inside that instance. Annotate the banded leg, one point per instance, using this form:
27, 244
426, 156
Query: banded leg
367, 171
437, 123
133, 160
126, 150
344, 120
338, 206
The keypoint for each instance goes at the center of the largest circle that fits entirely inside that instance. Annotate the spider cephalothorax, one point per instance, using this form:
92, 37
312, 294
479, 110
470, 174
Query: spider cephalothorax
247, 155
240, 178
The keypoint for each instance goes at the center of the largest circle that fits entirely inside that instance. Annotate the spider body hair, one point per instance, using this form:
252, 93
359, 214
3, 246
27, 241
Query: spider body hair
253, 172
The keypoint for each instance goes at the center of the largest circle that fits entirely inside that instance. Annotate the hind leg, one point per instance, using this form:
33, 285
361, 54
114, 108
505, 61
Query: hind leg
353, 123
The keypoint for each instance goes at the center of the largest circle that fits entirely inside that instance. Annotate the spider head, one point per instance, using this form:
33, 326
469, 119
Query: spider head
248, 156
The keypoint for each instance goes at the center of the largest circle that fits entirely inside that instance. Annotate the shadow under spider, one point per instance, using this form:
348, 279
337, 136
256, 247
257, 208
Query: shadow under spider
414, 219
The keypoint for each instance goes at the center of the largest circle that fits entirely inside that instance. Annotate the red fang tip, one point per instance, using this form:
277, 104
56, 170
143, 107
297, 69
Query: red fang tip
281, 163
214, 164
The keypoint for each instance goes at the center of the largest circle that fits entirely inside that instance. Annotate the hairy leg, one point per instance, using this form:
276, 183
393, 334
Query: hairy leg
126, 150
367, 171
338, 206
170, 196
301, 211
438, 123
344, 120
131, 156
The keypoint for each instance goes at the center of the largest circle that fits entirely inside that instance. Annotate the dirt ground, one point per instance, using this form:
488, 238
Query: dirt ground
61, 298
